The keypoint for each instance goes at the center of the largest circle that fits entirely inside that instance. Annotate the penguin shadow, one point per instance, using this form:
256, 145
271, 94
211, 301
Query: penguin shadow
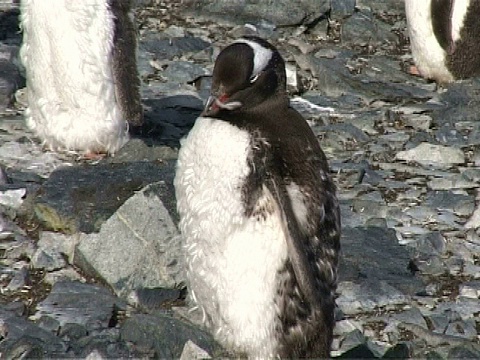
167, 120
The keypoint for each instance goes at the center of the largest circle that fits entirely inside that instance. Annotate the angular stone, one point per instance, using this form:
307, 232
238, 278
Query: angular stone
367, 296
73, 302
411, 316
137, 247
22, 338
373, 254
82, 198
431, 154
166, 335
168, 48
278, 12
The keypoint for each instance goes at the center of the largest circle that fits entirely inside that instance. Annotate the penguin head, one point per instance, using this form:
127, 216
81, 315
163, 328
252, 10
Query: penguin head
247, 73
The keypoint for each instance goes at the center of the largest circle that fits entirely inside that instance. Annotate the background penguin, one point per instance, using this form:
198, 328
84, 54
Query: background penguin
444, 37
82, 82
258, 212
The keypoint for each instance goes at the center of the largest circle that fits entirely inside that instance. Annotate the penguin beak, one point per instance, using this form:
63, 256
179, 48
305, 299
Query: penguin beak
216, 103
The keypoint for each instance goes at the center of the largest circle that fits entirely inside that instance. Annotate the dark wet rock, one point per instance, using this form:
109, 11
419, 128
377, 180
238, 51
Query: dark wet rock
82, 198
137, 247
166, 335
278, 12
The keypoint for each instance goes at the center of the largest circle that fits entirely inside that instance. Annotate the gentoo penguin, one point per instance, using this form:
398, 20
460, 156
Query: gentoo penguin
444, 38
82, 82
258, 212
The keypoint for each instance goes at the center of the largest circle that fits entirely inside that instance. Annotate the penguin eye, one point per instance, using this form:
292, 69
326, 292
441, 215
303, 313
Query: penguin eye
254, 78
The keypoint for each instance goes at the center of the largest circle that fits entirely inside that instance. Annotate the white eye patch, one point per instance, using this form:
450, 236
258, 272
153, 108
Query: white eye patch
261, 56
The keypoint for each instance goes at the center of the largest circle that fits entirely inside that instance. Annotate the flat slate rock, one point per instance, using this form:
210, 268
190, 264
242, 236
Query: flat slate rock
81, 198
73, 302
137, 247
167, 335
277, 12
372, 254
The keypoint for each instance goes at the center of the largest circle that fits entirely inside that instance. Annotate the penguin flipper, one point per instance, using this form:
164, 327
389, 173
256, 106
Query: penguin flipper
297, 243
127, 82
441, 16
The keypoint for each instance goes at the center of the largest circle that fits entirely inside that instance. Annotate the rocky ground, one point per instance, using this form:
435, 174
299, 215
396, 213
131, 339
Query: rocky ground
90, 256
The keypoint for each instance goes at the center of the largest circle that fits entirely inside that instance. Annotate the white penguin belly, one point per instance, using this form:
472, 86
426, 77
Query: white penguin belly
232, 260
66, 51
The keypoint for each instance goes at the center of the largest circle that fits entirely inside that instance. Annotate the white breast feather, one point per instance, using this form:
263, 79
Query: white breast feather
232, 261
66, 51
427, 53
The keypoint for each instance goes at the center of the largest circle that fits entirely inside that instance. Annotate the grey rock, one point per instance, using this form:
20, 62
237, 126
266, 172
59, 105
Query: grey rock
464, 329
170, 47
29, 156
439, 323
388, 6
137, 247
25, 337
155, 298
453, 181
399, 351
183, 72
49, 261
411, 316
105, 344
446, 200
368, 295
71, 302
362, 29
12, 198
373, 254
431, 154
278, 12
166, 335
82, 198
342, 8
334, 80
170, 118
465, 351
10, 82
191, 351
19, 280
353, 339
